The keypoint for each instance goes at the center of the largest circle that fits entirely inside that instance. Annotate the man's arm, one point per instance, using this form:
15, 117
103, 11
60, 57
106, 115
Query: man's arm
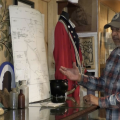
93, 83
91, 99
89, 82
112, 101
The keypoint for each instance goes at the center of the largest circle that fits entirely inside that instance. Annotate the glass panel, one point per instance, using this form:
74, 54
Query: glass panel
85, 16
106, 44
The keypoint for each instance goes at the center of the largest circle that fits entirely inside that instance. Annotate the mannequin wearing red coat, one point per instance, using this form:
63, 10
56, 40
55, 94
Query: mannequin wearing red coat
64, 51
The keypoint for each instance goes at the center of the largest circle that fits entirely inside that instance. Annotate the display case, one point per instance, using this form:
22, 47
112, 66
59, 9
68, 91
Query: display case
83, 14
106, 44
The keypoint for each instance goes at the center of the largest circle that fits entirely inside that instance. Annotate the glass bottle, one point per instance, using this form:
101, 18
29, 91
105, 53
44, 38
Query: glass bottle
17, 86
13, 99
21, 100
25, 88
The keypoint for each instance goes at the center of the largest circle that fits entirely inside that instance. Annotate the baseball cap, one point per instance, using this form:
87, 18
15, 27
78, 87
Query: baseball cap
115, 22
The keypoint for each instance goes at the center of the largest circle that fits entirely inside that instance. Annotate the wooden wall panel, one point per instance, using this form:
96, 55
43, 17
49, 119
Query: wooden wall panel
9, 2
103, 21
103, 16
94, 15
111, 13
52, 20
112, 4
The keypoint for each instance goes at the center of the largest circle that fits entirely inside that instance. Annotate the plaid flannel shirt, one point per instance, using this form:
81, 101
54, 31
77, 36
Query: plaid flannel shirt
109, 83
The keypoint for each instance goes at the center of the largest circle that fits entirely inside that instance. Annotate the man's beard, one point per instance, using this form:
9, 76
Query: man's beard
118, 45
116, 41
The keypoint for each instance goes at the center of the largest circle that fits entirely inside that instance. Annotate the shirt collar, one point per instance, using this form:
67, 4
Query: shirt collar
118, 51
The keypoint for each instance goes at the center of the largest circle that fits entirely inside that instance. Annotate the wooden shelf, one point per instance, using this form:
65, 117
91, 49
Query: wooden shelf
71, 6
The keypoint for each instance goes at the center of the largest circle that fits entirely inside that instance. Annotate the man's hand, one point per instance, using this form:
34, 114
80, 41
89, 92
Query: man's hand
90, 99
71, 73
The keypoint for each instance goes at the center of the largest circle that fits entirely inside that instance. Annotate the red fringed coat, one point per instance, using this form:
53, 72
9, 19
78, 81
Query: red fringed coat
64, 54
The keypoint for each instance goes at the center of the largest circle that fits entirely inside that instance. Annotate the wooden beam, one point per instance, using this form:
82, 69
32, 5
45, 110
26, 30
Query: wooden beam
113, 4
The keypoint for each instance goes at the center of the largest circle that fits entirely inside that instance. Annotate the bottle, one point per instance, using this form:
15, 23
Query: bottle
13, 99
17, 86
21, 100
25, 88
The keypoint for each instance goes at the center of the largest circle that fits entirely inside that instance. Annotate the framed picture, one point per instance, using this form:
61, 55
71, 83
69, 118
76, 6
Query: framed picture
24, 3
87, 46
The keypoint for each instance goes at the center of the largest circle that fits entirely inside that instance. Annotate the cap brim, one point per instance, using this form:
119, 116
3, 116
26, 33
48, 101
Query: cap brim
112, 24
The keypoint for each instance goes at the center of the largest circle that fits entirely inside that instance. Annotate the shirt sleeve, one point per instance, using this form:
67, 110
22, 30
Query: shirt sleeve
112, 101
93, 83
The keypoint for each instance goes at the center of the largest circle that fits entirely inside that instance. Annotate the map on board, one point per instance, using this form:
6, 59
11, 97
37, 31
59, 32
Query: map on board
29, 53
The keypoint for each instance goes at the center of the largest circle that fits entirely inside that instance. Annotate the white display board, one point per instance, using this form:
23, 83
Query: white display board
29, 53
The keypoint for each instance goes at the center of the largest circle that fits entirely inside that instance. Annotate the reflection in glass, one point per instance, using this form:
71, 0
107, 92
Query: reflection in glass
13, 115
2, 117
36, 113
44, 114
21, 113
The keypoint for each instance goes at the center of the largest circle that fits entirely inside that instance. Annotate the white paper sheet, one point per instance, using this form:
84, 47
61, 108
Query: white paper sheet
29, 54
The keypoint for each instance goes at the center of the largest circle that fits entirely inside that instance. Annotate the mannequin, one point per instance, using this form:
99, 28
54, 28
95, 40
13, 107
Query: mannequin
65, 14
66, 51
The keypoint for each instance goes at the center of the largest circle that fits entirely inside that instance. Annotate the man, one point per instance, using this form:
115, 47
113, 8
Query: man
108, 82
